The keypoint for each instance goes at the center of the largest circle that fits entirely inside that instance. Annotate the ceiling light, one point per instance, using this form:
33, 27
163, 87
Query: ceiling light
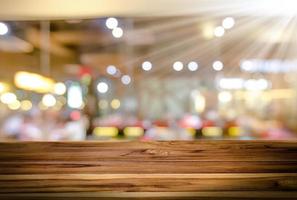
117, 32
228, 22
178, 66
217, 65
193, 66
126, 79
3, 28
111, 70
219, 31
147, 66
111, 23
102, 87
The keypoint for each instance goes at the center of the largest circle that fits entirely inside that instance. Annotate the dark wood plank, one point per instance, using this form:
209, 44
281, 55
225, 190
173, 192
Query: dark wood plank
229, 195
147, 182
135, 166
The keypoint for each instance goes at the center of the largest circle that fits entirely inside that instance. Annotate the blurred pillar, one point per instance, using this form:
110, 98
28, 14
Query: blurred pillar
45, 46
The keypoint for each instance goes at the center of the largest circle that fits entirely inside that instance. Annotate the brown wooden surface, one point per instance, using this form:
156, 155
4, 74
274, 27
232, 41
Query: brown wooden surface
149, 170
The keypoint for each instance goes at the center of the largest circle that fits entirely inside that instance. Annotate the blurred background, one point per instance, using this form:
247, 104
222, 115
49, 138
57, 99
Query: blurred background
173, 70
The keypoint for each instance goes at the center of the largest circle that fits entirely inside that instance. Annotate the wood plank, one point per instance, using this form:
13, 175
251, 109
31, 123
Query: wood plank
157, 195
147, 182
149, 170
99, 151
119, 167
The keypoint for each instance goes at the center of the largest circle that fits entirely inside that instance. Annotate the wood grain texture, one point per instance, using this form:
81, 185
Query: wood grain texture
149, 170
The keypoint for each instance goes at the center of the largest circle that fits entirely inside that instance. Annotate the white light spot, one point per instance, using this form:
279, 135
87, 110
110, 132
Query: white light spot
102, 87
147, 66
231, 83
117, 32
247, 65
178, 66
59, 88
111, 70
8, 98
111, 23
75, 96
126, 79
192, 66
219, 31
225, 97
49, 100
253, 84
217, 65
228, 22
3, 28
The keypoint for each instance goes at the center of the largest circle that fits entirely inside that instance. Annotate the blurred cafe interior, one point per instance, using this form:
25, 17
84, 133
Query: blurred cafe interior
216, 70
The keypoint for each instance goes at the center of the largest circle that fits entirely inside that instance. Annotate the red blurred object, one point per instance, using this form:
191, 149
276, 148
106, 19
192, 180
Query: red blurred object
85, 70
207, 123
160, 123
190, 121
229, 124
75, 115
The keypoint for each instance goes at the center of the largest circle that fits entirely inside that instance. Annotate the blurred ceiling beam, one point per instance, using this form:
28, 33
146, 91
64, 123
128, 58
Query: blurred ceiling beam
133, 37
14, 44
81, 37
34, 36
102, 60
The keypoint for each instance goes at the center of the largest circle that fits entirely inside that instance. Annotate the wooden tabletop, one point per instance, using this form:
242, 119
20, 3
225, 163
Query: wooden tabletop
149, 170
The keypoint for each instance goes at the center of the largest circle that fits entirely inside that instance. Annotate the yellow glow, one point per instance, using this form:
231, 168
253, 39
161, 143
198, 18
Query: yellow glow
41, 106
270, 94
33, 82
191, 131
26, 105
199, 101
106, 131
133, 131
234, 131
14, 105
115, 104
58, 105
8, 98
207, 31
103, 104
212, 132
62, 99
4, 87
280, 94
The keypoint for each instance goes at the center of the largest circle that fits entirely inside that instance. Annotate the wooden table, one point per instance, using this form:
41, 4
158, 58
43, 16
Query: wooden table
149, 170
